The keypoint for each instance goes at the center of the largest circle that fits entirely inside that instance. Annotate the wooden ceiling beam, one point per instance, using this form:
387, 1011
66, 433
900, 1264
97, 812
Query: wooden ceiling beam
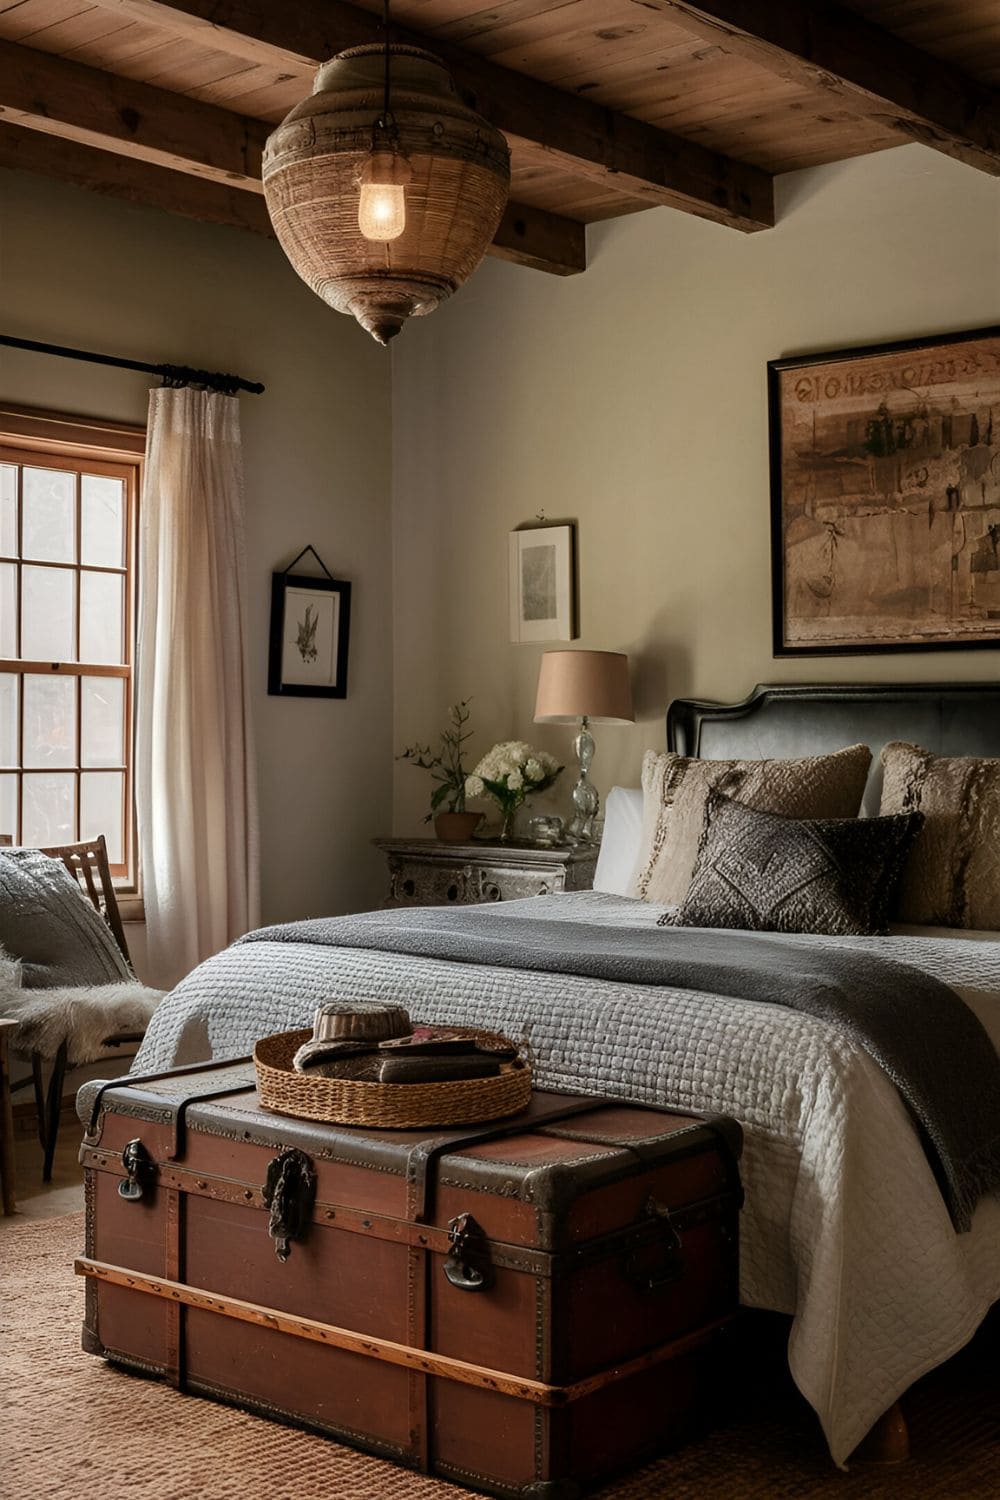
113, 135
534, 237
875, 76
67, 99
588, 140
132, 179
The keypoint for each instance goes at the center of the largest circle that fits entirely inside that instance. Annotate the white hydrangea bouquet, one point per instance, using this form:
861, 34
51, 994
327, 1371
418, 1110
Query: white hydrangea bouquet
510, 772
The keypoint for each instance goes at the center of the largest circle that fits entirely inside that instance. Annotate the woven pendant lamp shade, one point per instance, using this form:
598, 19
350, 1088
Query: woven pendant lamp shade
455, 196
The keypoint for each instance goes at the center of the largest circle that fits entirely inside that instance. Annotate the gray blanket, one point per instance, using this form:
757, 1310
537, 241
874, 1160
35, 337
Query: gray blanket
920, 1033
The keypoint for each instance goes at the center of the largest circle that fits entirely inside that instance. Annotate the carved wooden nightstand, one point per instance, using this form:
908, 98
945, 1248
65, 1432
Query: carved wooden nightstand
427, 872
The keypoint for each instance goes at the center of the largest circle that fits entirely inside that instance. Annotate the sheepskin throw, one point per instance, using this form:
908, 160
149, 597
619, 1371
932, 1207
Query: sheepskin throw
83, 1017
47, 921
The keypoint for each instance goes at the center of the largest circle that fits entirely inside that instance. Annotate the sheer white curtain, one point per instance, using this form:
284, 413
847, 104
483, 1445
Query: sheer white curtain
196, 793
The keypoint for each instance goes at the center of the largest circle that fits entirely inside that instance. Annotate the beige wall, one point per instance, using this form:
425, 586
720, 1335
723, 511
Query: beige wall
632, 399
82, 270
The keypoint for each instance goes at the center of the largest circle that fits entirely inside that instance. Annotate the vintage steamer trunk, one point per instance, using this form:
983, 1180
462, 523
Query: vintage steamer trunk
525, 1307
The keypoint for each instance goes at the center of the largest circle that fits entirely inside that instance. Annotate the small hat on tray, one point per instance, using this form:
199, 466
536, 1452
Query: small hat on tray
342, 1028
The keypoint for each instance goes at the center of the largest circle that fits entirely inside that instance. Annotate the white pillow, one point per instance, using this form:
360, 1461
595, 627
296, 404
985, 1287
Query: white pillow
620, 846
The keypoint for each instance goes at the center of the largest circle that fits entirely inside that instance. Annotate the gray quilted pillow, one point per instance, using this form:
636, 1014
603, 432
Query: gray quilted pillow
47, 922
761, 872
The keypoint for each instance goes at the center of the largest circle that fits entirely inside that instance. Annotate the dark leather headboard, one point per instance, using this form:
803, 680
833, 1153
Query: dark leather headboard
812, 719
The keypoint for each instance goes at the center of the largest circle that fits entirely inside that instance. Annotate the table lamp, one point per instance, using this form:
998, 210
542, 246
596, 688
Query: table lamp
583, 686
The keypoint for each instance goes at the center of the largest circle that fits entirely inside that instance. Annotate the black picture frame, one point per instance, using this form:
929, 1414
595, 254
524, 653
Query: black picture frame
899, 392
327, 635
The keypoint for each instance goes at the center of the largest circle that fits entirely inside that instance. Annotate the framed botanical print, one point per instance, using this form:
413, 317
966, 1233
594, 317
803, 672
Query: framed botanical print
542, 583
885, 497
310, 630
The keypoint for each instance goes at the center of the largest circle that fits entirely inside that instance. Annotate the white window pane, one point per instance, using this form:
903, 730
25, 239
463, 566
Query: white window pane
103, 721
101, 794
102, 521
102, 622
48, 598
8, 806
8, 510
8, 610
49, 722
49, 808
9, 685
48, 525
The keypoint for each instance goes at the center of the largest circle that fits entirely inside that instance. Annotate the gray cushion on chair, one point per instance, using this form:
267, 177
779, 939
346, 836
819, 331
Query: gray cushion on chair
47, 922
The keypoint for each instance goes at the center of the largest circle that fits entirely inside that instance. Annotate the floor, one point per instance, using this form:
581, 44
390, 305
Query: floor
64, 1194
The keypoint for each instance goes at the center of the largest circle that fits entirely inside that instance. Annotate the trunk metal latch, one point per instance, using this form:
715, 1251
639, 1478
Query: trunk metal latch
670, 1254
289, 1193
138, 1164
467, 1264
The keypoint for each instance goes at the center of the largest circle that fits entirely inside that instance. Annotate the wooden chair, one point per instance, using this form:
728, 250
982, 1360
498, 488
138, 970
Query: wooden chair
87, 862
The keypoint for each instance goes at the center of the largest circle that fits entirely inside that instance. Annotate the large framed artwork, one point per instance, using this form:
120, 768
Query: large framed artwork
885, 497
542, 583
310, 630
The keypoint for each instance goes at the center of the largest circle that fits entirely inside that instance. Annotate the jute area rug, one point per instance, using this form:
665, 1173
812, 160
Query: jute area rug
73, 1428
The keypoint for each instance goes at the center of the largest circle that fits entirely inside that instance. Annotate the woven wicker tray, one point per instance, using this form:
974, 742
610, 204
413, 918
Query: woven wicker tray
386, 1106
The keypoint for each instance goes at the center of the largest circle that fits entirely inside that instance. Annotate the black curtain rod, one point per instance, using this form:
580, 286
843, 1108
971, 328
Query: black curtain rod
227, 385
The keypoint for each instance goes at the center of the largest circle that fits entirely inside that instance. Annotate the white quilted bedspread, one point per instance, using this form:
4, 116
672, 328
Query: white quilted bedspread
843, 1226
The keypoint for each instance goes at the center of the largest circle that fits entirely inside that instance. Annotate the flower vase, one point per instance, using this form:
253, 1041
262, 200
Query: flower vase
507, 826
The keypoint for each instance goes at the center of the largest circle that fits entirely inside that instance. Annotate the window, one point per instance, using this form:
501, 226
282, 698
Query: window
68, 494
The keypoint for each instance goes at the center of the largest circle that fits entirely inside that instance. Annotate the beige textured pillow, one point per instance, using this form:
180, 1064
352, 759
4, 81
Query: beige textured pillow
952, 875
675, 788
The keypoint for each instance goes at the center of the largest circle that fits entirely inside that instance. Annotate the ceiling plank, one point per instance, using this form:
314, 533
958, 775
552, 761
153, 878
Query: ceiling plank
586, 139
170, 138
878, 76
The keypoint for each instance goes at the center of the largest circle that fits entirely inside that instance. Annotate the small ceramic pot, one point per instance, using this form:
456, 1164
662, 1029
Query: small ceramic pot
456, 827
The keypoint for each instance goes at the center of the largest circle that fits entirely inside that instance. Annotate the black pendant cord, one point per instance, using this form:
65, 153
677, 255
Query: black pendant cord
174, 375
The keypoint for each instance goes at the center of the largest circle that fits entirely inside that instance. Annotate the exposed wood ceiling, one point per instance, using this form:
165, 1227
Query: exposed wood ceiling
610, 106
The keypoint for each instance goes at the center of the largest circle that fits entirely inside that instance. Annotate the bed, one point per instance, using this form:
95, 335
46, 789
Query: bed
844, 1227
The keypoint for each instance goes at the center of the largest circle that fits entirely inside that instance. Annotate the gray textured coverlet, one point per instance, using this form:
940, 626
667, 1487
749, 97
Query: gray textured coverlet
919, 1032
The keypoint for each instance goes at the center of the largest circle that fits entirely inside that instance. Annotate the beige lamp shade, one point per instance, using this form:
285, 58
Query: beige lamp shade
584, 684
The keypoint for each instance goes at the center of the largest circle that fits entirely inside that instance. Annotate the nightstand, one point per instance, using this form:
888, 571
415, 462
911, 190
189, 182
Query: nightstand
428, 872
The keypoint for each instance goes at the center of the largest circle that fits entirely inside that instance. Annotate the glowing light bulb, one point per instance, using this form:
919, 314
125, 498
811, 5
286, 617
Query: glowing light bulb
382, 204
382, 211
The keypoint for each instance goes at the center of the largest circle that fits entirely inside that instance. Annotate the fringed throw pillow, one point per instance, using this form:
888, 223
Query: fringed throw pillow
952, 876
675, 789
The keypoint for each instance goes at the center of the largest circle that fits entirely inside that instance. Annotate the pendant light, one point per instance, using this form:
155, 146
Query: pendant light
384, 175
384, 189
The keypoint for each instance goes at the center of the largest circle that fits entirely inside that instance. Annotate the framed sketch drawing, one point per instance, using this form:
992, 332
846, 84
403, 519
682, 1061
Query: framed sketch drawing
542, 584
885, 497
310, 627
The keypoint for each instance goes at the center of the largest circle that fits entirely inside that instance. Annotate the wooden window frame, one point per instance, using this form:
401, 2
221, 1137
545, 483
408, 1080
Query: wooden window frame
54, 440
